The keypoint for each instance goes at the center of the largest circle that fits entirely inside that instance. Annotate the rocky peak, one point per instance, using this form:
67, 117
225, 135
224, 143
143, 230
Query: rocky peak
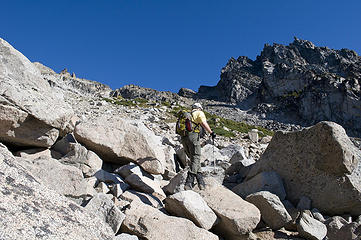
66, 81
132, 91
306, 83
303, 43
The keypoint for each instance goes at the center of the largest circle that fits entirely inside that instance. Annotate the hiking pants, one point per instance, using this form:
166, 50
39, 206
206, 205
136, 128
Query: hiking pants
192, 148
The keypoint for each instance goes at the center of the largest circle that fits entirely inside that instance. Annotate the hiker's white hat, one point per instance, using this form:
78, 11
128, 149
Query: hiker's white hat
197, 105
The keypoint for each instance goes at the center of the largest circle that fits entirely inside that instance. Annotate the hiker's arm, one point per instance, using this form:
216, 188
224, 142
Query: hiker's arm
206, 126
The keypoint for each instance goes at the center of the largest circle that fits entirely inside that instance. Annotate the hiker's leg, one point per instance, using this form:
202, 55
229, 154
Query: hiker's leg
185, 142
187, 146
195, 149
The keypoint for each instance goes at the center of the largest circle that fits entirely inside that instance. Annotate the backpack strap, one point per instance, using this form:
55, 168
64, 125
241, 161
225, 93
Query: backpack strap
197, 125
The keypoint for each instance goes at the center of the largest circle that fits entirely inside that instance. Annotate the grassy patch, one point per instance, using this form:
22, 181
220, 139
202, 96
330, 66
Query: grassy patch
294, 94
241, 127
140, 102
167, 104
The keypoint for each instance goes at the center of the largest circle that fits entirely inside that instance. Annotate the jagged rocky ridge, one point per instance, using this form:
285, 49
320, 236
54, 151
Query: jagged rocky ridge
85, 168
299, 83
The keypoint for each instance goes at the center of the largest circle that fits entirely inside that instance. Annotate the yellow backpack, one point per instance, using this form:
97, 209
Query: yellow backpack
185, 123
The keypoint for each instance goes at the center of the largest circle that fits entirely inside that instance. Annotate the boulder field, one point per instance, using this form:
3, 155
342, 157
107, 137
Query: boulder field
76, 164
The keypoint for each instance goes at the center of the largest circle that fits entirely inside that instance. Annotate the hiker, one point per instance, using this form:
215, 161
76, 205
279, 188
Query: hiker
192, 146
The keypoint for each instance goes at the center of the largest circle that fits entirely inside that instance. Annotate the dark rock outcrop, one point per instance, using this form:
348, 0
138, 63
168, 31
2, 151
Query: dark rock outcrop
185, 92
312, 83
239, 80
132, 91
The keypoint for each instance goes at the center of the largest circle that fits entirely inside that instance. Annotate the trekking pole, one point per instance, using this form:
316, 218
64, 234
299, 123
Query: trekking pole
214, 159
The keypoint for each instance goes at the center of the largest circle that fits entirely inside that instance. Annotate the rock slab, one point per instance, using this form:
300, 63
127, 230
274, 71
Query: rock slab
236, 216
273, 213
31, 114
29, 210
310, 228
149, 223
190, 205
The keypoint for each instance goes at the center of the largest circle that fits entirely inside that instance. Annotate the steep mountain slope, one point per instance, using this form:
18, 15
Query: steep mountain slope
76, 163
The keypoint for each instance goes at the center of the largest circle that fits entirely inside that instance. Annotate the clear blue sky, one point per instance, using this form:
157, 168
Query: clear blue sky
168, 44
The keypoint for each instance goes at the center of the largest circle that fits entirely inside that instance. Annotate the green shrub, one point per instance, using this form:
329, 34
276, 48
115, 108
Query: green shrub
222, 132
240, 127
141, 102
164, 103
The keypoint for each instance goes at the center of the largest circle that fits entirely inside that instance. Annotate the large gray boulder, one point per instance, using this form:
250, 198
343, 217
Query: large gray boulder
237, 217
273, 213
319, 162
65, 179
30, 210
190, 205
310, 228
149, 223
121, 141
31, 113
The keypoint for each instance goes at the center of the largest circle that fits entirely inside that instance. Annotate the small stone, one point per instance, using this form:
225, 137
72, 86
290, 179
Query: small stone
253, 135
102, 188
317, 215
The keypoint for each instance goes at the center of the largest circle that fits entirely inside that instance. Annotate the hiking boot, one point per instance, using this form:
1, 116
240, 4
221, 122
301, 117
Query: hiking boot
189, 184
200, 180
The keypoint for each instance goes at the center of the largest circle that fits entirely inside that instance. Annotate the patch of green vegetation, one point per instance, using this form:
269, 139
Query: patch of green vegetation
294, 94
218, 123
167, 104
140, 102
223, 132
